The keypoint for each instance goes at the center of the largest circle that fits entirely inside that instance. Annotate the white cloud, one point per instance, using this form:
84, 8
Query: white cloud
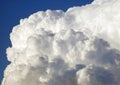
77, 47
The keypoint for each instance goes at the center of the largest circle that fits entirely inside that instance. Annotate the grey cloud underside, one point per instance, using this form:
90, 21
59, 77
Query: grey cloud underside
77, 47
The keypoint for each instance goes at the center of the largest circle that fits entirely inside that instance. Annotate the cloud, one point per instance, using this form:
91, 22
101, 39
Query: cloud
77, 47
92, 75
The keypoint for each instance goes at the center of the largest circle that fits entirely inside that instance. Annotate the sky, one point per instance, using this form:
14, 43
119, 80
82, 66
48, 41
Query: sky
13, 11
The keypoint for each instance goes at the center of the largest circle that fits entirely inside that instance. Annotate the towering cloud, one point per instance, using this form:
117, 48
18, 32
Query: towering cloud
77, 47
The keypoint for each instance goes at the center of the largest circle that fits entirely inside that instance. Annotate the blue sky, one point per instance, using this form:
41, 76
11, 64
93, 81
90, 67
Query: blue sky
11, 11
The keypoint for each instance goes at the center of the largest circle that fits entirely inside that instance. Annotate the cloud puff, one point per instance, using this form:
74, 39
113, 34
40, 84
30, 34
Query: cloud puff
77, 47
92, 75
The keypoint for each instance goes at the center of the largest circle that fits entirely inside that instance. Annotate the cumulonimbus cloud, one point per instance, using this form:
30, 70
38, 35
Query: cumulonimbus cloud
77, 47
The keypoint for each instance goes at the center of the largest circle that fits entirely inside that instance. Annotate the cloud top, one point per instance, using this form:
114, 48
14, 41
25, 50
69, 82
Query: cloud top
76, 47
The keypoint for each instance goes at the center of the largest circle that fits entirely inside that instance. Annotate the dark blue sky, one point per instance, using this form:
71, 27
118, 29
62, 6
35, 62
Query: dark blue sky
11, 11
